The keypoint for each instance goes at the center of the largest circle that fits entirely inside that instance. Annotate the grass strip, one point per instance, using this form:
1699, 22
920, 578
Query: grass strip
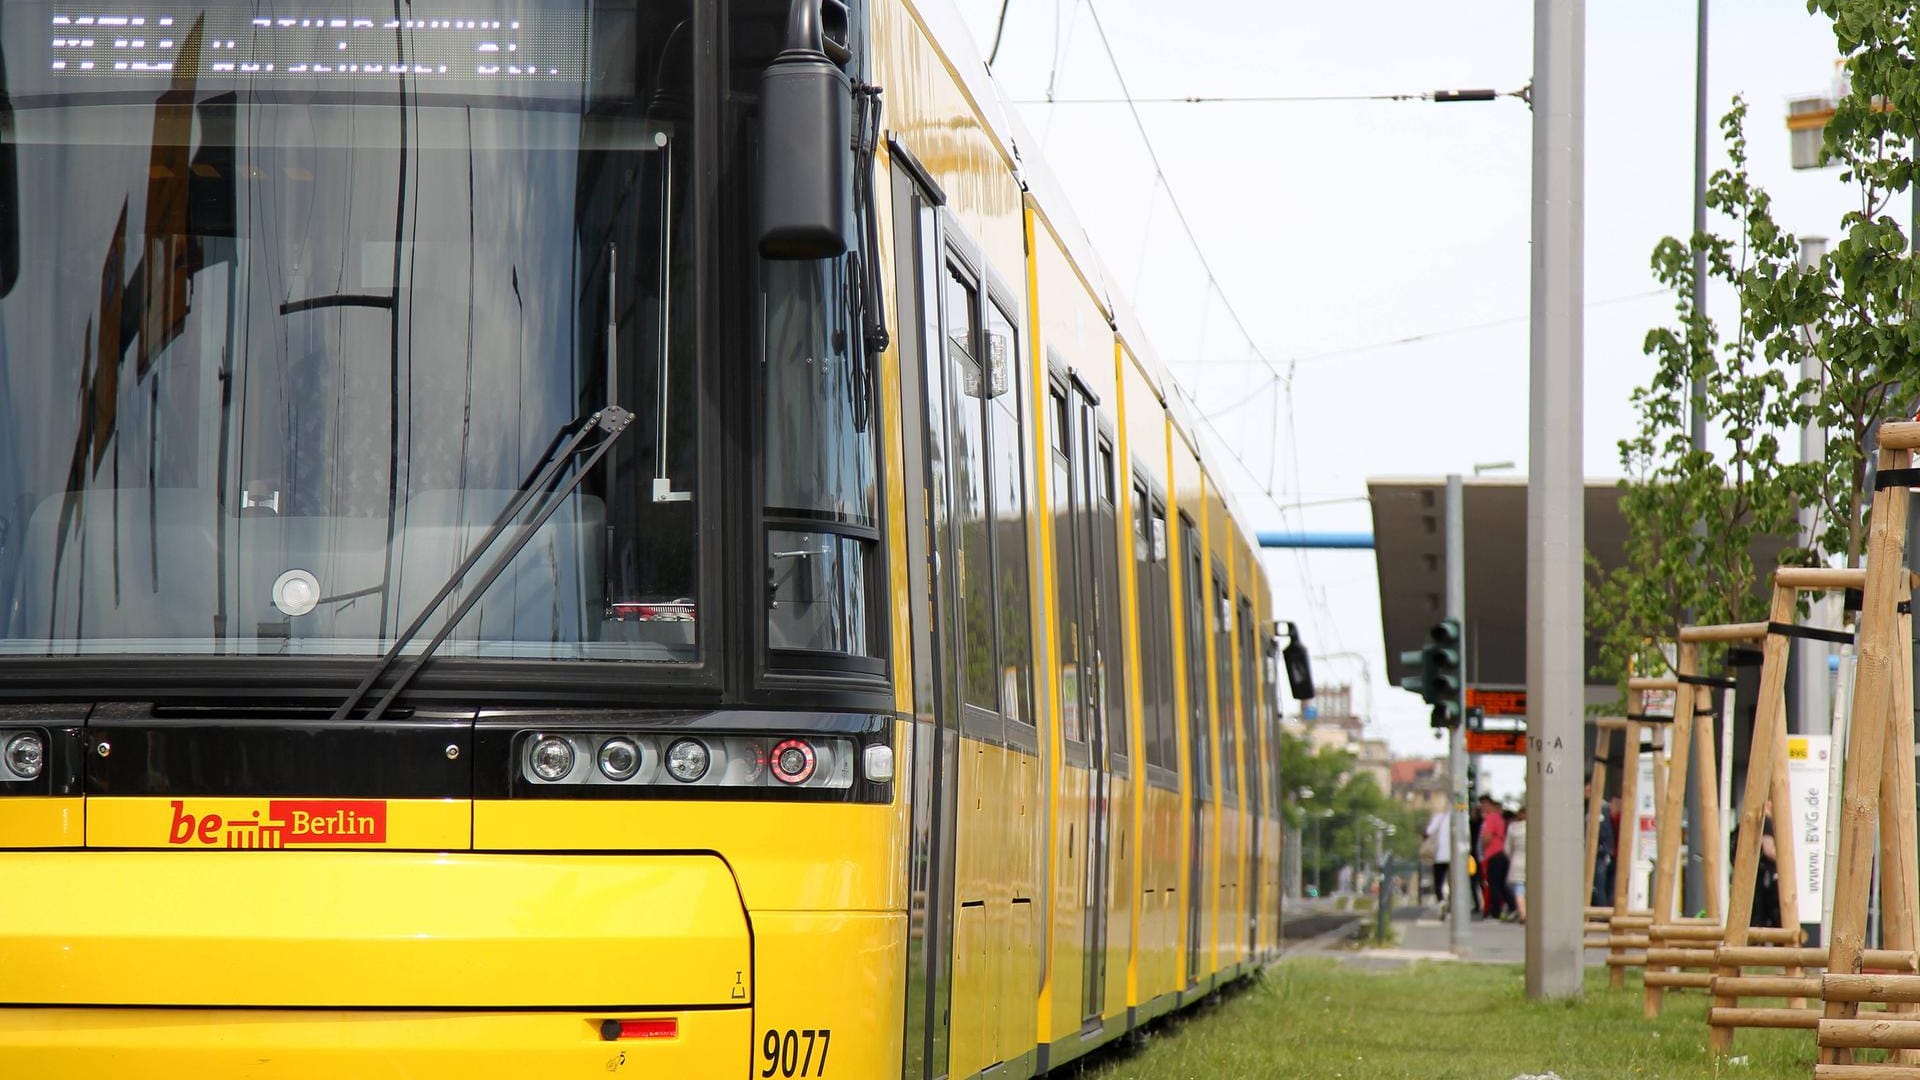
1316, 1018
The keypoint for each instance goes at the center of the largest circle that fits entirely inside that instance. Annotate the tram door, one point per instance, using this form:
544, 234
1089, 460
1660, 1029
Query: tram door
1250, 733
1200, 761
934, 754
1083, 661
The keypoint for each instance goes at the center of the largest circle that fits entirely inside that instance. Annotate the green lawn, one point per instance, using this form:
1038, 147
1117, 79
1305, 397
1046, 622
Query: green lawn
1318, 1019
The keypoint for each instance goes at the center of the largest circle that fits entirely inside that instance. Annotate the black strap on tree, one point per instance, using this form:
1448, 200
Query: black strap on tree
1737, 657
1811, 633
1718, 681
1649, 718
1892, 478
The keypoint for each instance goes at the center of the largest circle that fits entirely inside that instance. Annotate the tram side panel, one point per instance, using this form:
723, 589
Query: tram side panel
1161, 888
1076, 345
1199, 784
998, 792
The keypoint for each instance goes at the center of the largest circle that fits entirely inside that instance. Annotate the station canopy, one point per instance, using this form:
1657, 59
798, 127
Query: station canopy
1410, 550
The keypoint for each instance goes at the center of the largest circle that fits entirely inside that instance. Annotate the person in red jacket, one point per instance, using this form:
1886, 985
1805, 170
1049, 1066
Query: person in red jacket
1493, 852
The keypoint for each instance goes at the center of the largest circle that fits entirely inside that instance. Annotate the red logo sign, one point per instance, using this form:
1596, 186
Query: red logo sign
288, 823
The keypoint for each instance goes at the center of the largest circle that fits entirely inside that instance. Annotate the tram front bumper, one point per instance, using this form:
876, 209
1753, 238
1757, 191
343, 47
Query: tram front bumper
271, 1044
297, 964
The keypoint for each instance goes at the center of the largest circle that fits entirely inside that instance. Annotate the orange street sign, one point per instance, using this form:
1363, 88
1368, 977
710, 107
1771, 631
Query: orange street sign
1496, 742
1498, 702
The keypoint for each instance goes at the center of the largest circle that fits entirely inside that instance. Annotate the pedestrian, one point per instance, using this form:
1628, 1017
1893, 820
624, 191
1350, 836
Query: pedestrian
1602, 857
1493, 851
1517, 864
1766, 884
1612, 818
1440, 836
1476, 861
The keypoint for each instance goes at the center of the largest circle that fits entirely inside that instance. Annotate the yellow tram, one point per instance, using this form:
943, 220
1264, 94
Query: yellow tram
579, 537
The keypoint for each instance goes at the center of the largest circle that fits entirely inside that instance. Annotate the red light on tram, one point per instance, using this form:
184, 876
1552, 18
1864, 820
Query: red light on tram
668, 1028
792, 761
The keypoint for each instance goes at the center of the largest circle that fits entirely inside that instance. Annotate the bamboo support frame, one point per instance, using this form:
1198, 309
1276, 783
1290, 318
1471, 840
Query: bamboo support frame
1866, 1072
1767, 781
1596, 806
1879, 743
1623, 845
1692, 746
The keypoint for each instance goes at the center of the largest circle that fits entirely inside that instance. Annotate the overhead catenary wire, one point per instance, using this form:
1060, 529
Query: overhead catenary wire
1416, 339
1437, 96
1317, 602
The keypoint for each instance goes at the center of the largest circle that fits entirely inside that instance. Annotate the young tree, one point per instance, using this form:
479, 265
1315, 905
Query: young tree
1693, 514
1852, 311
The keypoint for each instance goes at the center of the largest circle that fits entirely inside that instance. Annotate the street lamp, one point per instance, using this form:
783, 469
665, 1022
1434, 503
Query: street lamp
1319, 852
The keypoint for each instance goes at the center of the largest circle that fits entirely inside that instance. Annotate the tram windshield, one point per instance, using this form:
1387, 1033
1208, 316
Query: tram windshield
299, 300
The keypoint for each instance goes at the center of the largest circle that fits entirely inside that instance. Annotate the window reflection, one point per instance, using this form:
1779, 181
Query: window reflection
271, 324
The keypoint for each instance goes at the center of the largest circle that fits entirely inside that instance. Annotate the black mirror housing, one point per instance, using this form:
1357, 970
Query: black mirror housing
806, 123
1299, 668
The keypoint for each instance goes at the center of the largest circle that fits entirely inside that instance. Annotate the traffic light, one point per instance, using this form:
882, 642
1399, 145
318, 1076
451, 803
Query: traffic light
1445, 682
1438, 682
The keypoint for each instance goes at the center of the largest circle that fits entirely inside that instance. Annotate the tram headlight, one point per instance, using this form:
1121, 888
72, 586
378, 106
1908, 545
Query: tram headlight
619, 759
25, 755
687, 760
551, 757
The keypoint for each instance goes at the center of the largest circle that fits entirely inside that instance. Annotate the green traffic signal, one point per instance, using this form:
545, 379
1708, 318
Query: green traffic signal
1439, 680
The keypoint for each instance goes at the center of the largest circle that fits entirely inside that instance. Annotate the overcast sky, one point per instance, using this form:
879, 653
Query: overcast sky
1336, 229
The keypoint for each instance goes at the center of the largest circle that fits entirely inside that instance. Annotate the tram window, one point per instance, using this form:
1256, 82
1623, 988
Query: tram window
1163, 634
1009, 382
336, 323
1196, 631
1113, 641
1066, 569
1143, 624
1150, 607
821, 476
1249, 710
972, 512
1223, 682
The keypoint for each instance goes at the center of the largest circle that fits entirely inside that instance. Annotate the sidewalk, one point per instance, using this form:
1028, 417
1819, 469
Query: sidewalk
1424, 936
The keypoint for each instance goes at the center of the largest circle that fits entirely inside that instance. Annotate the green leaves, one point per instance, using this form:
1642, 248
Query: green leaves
1849, 316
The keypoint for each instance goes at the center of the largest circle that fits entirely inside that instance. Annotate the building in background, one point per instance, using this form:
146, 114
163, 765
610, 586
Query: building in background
1420, 784
1327, 722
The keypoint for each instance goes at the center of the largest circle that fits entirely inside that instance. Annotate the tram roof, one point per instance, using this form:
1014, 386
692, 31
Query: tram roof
1021, 150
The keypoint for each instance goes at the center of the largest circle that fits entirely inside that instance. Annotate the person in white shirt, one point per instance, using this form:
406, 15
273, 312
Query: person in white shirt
1440, 832
1517, 863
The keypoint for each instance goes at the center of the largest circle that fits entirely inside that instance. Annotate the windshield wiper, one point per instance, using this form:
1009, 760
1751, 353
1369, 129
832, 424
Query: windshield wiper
612, 421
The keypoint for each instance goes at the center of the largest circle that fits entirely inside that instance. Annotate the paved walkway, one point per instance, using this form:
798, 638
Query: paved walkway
1425, 937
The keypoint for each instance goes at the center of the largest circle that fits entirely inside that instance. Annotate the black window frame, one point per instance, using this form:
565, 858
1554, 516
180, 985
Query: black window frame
1249, 704
957, 251
1110, 628
1228, 722
1199, 677
1153, 624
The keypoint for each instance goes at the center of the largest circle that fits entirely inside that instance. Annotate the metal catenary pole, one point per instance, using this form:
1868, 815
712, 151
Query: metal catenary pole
1694, 881
1457, 886
1556, 524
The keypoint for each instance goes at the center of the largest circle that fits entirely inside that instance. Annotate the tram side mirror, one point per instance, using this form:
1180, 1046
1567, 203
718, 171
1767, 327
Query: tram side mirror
1299, 668
9, 193
806, 122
